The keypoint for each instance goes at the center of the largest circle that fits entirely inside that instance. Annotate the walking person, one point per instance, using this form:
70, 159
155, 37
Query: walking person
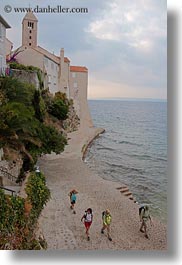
88, 218
106, 218
73, 198
144, 217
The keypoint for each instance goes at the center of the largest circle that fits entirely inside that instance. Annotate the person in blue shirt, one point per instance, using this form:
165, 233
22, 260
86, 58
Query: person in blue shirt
73, 198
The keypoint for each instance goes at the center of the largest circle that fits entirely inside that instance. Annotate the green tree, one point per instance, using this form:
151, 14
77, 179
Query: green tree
14, 90
51, 139
59, 109
39, 106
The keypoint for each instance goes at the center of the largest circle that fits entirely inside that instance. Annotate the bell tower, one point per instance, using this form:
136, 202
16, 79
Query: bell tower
29, 30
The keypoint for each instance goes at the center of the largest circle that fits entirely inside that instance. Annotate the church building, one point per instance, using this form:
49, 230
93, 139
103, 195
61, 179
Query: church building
61, 76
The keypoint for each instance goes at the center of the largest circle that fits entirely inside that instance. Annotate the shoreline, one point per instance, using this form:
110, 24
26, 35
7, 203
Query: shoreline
63, 230
90, 142
162, 219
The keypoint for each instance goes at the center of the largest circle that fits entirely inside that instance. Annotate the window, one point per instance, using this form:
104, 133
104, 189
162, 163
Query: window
30, 25
55, 79
73, 75
49, 79
30, 31
30, 37
30, 44
52, 66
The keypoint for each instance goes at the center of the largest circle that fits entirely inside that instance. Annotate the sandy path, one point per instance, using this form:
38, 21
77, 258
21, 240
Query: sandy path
64, 230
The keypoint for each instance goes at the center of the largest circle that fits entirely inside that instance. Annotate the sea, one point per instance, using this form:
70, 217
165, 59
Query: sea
133, 149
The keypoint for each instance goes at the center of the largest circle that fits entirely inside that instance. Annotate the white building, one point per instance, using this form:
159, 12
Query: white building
78, 92
55, 67
3, 26
71, 80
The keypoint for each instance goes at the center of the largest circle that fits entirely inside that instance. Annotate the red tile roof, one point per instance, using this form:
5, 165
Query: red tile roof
78, 69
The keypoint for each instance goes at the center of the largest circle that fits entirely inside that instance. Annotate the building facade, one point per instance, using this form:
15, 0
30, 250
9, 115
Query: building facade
3, 26
79, 84
61, 76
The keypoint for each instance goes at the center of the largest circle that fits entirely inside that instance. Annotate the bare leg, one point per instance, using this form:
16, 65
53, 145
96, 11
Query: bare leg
87, 233
145, 229
103, 228
108, 233
141, 230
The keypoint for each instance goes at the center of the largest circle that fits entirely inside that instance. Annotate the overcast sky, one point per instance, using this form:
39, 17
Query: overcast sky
123, 43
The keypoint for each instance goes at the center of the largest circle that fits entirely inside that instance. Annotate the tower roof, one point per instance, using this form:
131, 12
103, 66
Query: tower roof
30, 16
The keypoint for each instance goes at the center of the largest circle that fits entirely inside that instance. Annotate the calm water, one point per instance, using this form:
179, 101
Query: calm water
133, 150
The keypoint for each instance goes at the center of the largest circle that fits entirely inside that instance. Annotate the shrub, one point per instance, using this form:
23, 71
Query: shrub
59, 109
38, 193
39, 106
14, 90
17, 222
11, 212
51, 139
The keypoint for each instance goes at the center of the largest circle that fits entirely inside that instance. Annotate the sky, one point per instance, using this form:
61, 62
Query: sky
123, 43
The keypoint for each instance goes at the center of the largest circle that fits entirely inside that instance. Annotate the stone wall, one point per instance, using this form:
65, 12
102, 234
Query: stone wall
72, 123
11, 167
26, 76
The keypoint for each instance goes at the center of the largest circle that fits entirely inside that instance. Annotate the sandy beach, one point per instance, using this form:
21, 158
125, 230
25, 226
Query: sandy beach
64, 230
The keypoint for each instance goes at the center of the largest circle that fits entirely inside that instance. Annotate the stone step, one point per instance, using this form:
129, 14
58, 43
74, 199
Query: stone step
128, 194
124, 190
120, 188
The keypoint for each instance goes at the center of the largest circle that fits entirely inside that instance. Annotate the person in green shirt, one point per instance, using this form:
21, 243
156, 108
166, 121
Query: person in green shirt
106, 218
144, 217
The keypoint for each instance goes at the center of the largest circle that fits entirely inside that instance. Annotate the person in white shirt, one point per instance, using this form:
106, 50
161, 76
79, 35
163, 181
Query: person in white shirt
88, 218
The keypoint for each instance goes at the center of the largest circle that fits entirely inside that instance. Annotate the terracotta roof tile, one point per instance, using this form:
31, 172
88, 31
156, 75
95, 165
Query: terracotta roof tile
78, 69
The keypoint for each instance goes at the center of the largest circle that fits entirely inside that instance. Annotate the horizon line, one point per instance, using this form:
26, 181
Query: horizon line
131, 99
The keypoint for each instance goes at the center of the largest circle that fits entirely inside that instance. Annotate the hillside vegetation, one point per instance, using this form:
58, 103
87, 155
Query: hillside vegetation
31, 121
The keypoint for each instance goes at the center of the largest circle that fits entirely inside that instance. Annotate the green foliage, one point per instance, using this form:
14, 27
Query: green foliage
16, 227
29, 68
18, 126
39, 106
59, 109
11, 212
16, 116
17, 91
3, 210
15, 65
22, 121
2, 97
62, 96
41, 82
38, 193
51, 139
